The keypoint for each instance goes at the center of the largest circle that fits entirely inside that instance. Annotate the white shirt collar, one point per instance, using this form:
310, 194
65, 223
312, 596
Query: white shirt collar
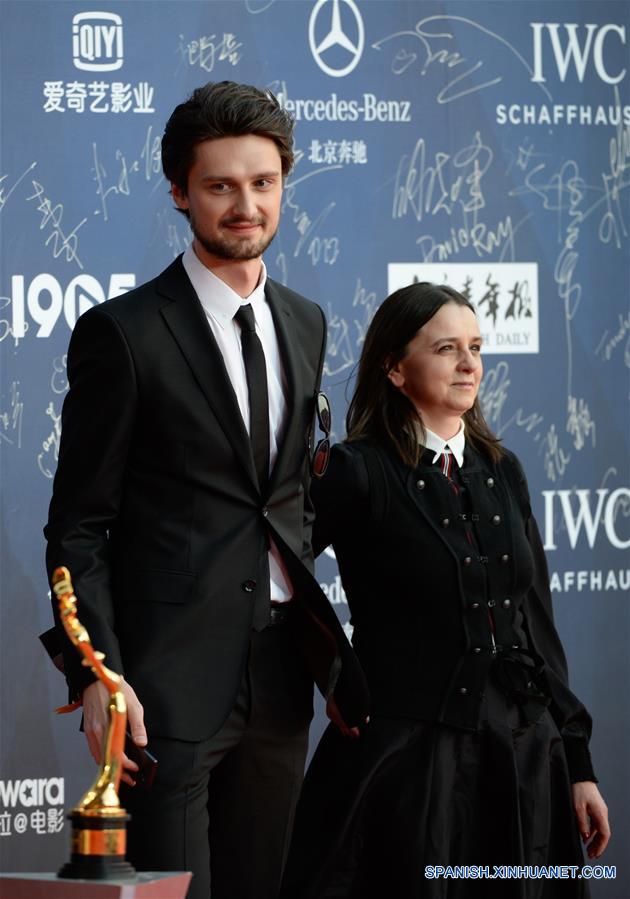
455, 445
217, 298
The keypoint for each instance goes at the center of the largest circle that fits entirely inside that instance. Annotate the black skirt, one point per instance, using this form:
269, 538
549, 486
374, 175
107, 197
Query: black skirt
377, 813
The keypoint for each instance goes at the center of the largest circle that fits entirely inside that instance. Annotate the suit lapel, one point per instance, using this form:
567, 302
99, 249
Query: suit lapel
186, 320
287, 340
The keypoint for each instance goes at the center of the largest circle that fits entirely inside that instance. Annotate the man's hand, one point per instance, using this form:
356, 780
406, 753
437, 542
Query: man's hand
95, 721
592, 817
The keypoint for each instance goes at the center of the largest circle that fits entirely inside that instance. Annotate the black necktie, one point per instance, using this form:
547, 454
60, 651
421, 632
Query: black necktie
256, 373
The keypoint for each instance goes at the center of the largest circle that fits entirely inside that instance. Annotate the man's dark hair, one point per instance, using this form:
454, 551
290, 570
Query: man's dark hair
379, 411
223, 109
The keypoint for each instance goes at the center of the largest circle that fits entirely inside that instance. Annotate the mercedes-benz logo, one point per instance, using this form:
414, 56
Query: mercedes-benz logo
336, 37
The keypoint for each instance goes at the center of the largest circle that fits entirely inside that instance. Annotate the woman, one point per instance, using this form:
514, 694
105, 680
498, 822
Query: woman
477, 751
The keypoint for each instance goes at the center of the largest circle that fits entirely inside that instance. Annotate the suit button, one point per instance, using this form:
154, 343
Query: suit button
467, 560
265, 512
490, 482
516, 645
463, 690
496, 519
420, 484
474, 605
505, 557
506, 603
491, 603
249, 586
445, 522
477, 649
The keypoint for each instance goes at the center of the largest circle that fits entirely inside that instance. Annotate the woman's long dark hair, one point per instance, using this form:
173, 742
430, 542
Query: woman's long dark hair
379, 411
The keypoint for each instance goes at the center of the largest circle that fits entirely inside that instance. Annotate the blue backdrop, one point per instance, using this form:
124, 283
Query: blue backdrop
484, 144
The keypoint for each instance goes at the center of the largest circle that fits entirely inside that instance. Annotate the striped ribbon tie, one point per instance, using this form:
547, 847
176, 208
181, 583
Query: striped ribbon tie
446, 464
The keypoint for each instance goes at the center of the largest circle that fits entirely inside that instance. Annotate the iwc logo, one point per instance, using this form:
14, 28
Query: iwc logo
336, 45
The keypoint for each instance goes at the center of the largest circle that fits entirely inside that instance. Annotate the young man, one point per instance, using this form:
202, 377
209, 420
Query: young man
181, 508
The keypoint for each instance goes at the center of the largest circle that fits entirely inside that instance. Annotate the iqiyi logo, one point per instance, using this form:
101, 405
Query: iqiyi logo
97, 41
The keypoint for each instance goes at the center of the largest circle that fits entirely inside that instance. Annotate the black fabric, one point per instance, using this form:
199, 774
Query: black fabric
158, 514
256, 374
224, 807
475, 736
407, 794
422, 580
377, 489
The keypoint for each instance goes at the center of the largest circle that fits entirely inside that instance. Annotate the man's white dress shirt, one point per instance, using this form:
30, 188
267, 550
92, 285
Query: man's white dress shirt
221, 303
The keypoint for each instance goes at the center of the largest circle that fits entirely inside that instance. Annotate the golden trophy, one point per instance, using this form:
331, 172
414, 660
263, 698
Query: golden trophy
98, 821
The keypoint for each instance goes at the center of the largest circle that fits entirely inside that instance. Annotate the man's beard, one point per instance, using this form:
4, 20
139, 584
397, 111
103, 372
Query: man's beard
233, 247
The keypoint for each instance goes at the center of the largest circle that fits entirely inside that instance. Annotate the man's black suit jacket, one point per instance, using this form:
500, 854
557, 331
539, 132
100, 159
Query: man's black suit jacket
157, 513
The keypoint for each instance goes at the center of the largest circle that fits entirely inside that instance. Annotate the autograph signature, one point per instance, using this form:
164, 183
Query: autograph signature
11, 421
52, 216
6, 191
429, 48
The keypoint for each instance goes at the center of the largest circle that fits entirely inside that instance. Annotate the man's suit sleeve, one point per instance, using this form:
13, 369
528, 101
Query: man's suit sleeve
309, 509
97, 421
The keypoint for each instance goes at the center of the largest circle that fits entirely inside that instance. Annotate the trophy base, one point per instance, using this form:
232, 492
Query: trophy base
148, 885
98, 848
96, 867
